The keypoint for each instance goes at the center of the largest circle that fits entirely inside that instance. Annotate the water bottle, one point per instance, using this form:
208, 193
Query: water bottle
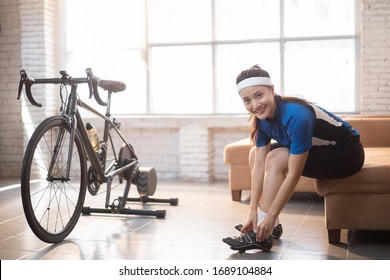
93, 136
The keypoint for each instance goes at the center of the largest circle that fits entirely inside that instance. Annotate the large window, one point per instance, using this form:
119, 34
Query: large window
182, 56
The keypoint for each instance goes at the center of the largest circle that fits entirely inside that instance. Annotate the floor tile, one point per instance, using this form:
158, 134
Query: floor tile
192, 230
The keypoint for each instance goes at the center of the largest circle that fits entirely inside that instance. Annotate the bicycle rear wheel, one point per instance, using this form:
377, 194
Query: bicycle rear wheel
52, 201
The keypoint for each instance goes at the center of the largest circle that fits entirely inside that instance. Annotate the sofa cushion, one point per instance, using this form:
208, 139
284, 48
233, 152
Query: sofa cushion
374, 177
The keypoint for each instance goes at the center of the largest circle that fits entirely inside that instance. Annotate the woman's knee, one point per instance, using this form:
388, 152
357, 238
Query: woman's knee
277, 160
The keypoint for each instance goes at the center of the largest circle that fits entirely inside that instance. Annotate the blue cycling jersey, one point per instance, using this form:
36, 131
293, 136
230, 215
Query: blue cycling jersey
299, 127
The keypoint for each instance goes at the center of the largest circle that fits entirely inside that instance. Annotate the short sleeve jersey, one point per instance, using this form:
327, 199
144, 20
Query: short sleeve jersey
299, 127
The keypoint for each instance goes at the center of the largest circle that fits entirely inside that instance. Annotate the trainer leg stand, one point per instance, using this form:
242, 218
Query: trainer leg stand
146, 180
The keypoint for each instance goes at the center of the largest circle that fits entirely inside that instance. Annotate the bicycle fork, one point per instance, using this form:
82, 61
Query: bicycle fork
72, 124
53, 163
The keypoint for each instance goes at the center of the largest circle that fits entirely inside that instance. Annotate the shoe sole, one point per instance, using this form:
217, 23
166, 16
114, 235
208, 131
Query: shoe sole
251, 247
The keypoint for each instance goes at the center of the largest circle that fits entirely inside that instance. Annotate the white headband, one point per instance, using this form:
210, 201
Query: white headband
254, 81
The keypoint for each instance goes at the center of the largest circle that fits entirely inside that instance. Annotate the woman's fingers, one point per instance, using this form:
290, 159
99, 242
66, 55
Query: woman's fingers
263, 231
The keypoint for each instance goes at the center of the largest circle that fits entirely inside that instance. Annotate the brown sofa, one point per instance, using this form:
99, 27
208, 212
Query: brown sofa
361, 201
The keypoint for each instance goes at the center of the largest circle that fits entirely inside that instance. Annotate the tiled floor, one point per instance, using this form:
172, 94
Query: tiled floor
191, 231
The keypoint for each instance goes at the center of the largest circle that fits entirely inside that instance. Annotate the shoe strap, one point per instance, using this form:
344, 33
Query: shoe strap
248, 238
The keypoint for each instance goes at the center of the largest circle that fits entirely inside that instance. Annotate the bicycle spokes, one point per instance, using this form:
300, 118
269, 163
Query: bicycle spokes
53, 204
53, 194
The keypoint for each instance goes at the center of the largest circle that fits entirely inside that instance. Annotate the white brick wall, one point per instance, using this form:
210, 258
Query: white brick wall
11, 126
179, 148
189, 149
27, 40
157, 148
195, 152
375, 57
222, 137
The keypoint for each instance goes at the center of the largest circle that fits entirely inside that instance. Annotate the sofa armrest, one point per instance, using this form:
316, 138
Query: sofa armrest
237, 152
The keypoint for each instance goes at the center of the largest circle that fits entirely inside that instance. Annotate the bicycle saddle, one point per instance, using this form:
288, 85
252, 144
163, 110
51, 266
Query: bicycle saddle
112, 86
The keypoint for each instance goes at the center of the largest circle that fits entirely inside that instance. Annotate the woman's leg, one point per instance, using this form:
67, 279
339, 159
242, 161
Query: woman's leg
276, 169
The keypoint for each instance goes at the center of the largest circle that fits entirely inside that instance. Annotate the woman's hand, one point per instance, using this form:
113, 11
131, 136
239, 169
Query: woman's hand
251, 222
264, 228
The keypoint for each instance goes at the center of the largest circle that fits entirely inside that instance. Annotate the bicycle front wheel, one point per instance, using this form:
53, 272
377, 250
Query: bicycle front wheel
52, 193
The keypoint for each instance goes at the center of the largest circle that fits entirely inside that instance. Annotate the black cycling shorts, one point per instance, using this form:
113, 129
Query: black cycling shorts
330, 162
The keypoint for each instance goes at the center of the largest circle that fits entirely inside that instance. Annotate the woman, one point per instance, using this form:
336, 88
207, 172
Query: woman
307, 140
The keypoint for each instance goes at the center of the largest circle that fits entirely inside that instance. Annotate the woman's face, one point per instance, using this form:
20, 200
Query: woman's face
259, 101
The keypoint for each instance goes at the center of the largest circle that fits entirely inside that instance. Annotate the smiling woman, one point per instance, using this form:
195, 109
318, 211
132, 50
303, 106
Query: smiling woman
260, 103
308, 141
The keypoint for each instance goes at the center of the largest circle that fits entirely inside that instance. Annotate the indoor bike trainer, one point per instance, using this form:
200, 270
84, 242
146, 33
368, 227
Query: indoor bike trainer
57, 173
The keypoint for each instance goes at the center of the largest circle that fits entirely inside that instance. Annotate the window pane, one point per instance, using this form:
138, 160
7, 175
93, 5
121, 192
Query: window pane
181, 80
323, 72
127, 66
179, 21
246, 19
99, 25
231, 60
110, 40
120, 40
319, 17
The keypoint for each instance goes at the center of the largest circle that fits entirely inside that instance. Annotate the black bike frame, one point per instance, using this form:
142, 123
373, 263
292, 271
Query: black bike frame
75, 121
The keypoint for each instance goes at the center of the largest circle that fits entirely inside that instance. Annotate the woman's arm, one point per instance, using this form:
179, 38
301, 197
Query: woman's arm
296, 164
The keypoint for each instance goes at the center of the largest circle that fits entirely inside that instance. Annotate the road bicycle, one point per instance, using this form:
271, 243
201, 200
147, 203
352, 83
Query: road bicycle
61, 162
